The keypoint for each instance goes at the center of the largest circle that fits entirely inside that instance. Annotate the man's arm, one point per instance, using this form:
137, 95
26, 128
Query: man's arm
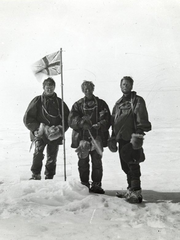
142, 119
29, 118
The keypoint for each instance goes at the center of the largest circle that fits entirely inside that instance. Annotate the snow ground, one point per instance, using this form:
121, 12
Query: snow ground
102, 41
58, 209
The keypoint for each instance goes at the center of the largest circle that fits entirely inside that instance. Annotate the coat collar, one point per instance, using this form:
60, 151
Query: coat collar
133, 95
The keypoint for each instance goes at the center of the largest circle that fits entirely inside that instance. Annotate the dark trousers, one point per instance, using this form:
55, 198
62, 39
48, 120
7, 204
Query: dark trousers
84, 168
52, 151
132, 170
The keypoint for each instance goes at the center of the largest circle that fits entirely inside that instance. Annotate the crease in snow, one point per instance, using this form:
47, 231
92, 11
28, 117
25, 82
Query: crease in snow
92, 216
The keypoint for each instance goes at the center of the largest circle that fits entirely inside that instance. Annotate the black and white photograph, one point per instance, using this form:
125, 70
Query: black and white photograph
90, 120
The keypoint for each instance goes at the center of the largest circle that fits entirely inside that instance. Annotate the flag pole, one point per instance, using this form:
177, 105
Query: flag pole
63, 125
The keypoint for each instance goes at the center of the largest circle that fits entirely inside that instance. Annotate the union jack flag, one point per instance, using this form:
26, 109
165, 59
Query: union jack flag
49, 65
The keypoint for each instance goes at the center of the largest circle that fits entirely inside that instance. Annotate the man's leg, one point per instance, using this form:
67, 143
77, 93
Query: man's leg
37, 159
97, 170
83, 168
134, 194
124, 165
52, 152
97, 173
135, 174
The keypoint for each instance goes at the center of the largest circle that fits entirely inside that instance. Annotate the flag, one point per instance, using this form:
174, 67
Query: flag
49, 65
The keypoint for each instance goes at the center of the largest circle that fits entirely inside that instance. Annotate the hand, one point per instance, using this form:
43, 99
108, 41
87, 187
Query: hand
83, 149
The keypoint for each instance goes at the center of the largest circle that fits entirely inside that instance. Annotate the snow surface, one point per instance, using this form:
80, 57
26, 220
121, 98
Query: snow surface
102, 41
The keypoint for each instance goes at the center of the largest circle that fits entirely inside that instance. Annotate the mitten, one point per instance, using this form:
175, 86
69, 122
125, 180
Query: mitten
55, 132
83, 149
137, 140
112, 144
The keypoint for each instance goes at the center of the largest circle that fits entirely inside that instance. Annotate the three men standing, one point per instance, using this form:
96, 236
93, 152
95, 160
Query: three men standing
90, 120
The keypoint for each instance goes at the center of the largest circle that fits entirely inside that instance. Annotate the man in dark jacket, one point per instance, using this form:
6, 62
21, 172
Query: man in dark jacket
43, 118
90, 120
129, 122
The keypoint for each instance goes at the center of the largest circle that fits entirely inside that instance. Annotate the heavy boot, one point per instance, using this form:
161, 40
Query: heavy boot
135, 193
48, 177
96, 188
35, 177
134, 196
123, 194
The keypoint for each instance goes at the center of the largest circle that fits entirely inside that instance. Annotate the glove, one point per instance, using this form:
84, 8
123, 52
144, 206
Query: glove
51, 133
83, 149
112, 144
54, 132
137, 140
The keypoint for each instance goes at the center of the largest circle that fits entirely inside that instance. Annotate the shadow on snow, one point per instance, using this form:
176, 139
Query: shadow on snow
150, 196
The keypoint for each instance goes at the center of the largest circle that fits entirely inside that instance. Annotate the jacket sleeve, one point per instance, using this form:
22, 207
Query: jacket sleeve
29, 118
142, 120
75, 117
104, 116
113, 120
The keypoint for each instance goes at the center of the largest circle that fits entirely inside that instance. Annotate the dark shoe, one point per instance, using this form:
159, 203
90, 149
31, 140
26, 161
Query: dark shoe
96, 188
35, 177
49, 177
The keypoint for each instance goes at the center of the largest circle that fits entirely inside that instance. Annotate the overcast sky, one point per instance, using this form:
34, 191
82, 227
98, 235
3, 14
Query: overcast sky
102, 41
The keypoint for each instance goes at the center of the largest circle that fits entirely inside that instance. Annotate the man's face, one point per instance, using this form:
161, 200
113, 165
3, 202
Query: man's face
88, 91
126, 86
49, 90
